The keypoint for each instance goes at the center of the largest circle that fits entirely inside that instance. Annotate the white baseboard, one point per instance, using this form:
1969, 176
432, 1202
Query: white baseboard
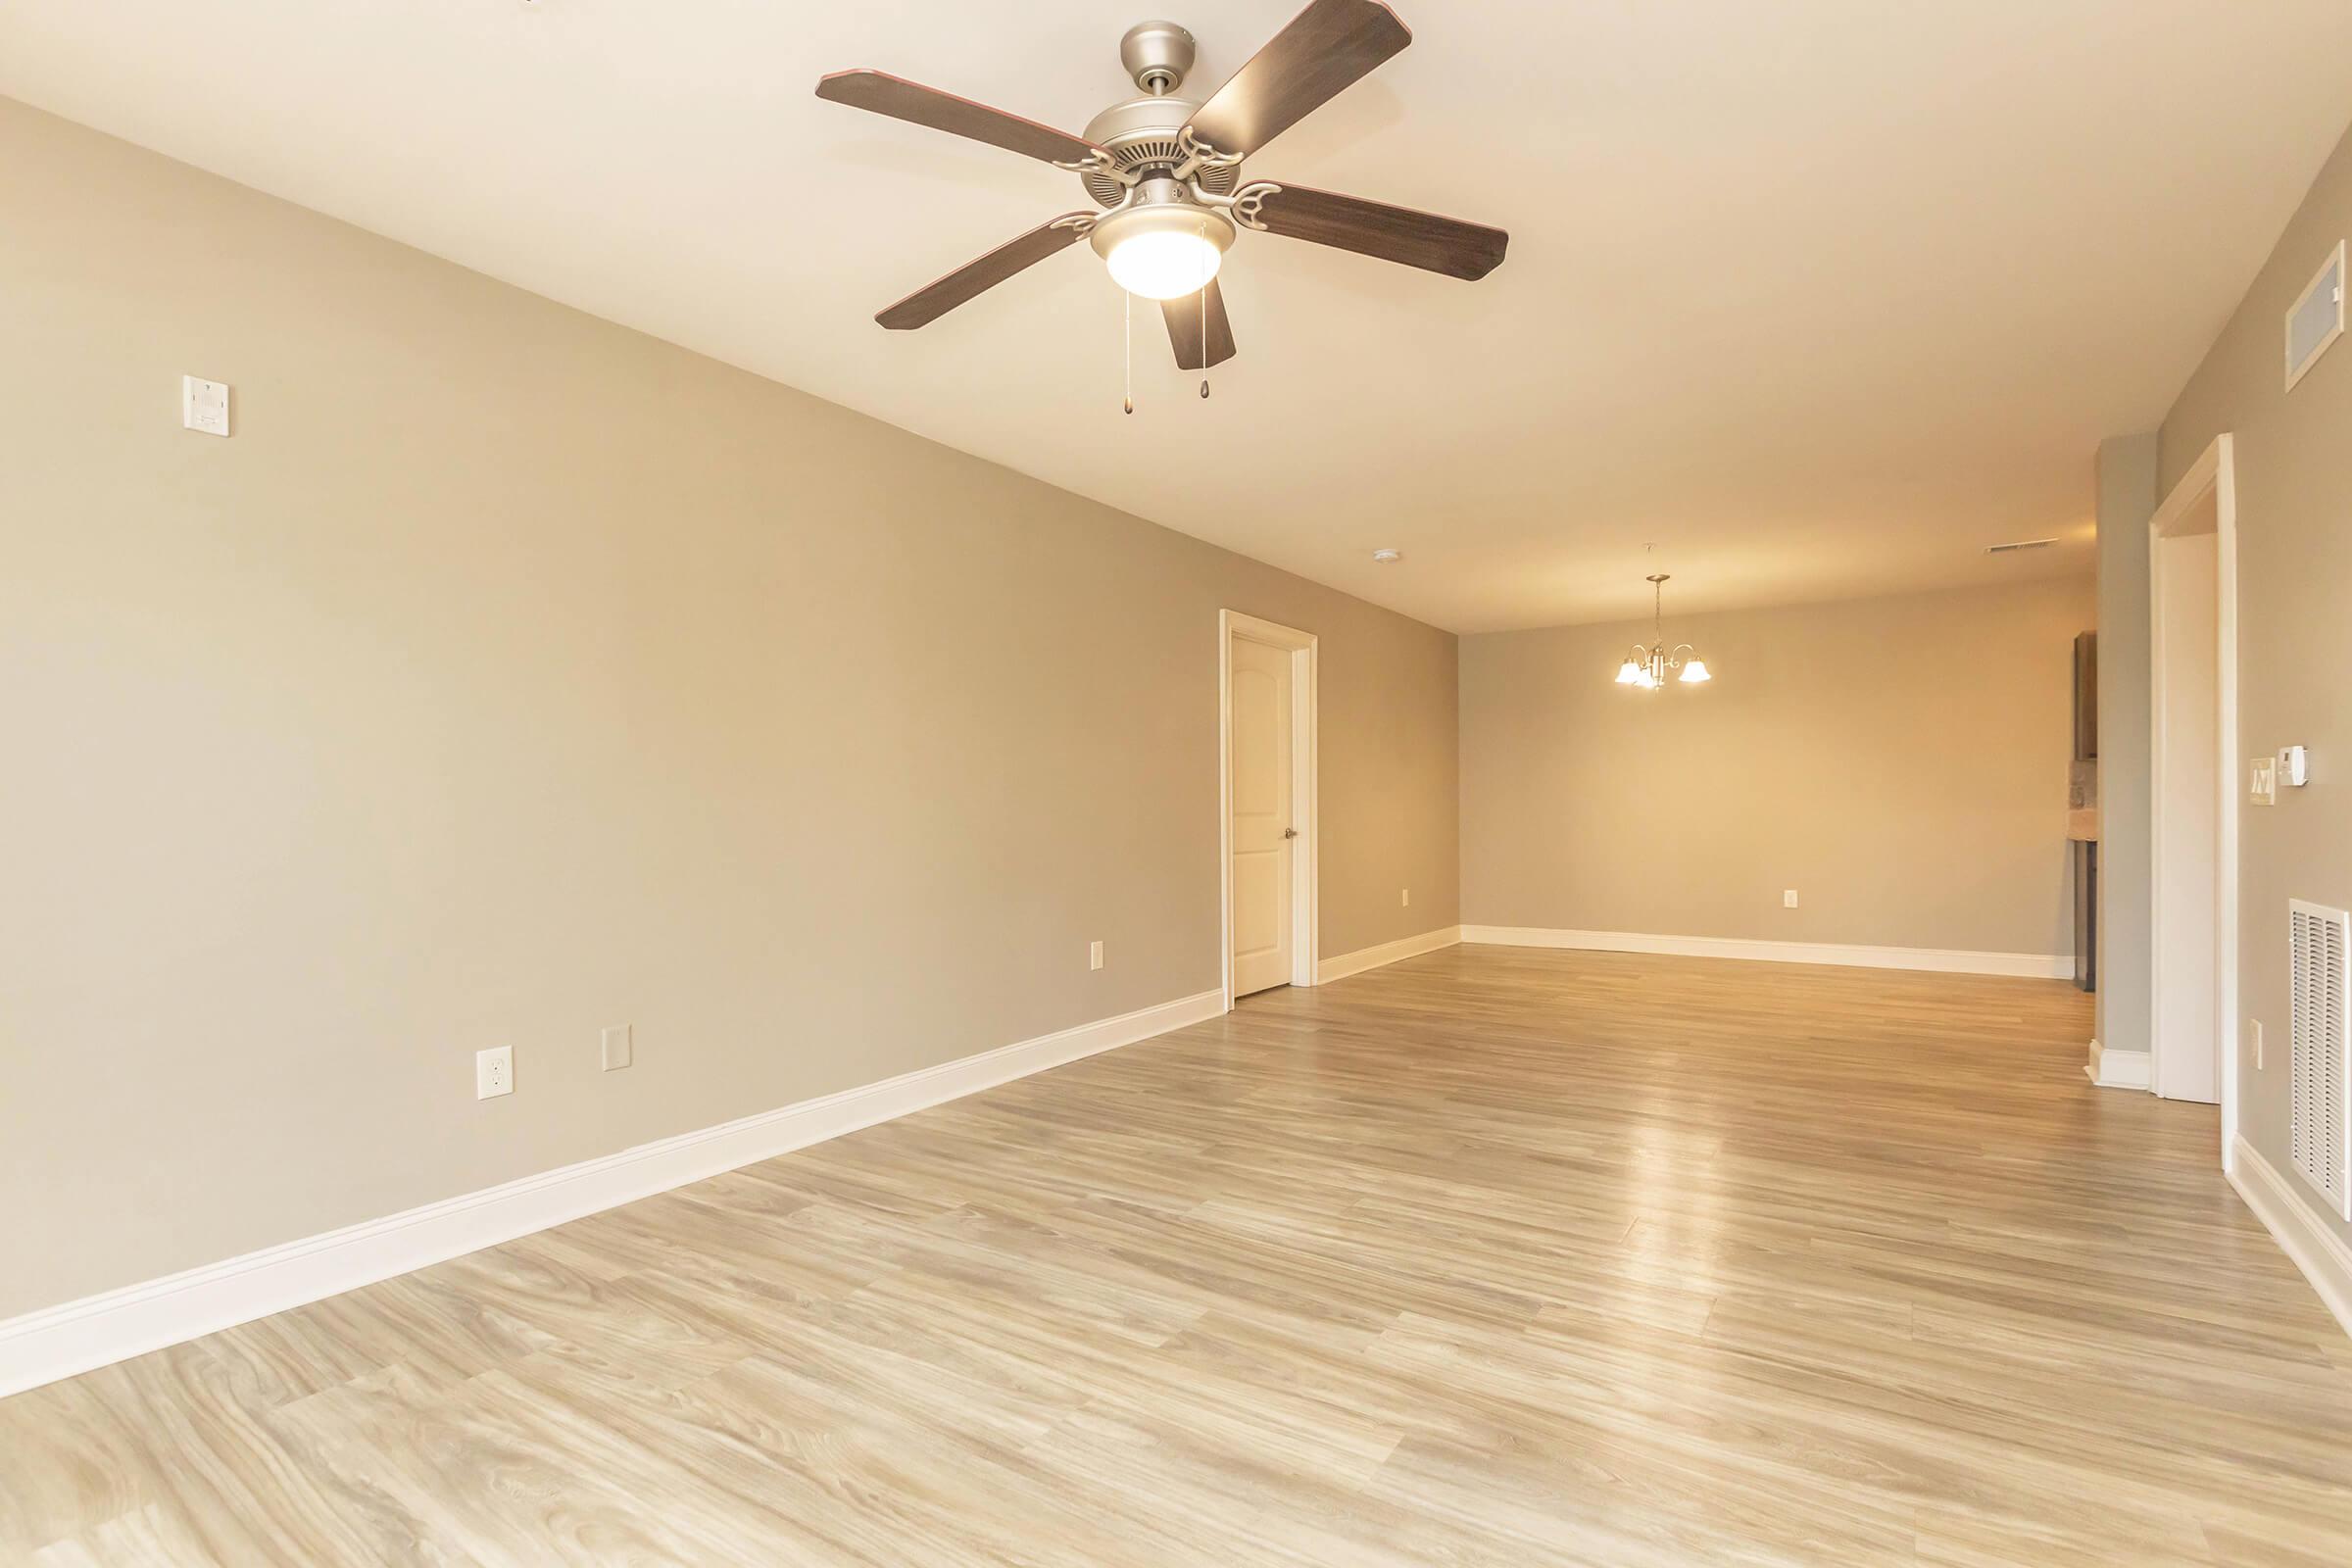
2111, 1069
1941, 960
2301, 1233
1363, 959
60, 1342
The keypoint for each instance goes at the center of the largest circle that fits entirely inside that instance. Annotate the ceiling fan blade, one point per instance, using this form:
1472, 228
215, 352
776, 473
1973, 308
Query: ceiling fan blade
1185, 323
901, 99
1326, 47
929, 304
1373, 229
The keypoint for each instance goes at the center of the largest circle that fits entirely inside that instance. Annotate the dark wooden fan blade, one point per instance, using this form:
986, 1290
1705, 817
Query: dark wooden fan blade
1326, 47
927, 305
1391, 233
899, 99
1185, 322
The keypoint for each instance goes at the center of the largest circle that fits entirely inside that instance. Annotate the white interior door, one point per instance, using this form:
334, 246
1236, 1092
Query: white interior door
1264, 837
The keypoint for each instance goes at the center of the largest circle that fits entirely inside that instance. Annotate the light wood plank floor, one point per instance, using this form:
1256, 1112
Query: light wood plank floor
1492, 1257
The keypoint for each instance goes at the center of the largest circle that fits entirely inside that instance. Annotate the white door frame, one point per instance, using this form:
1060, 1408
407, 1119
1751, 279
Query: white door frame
1305, 926
2213, 478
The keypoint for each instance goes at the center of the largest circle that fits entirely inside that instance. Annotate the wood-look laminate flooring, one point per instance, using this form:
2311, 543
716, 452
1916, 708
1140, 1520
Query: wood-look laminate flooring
1493, 1257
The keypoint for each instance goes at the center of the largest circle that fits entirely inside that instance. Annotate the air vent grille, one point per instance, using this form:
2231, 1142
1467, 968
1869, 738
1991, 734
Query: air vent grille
2316, 320
2320, 1056
2016, 544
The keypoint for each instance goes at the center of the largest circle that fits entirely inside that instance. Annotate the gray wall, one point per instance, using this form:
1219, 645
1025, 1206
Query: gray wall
509, 674
2126, 490
2294, 620
1900, 762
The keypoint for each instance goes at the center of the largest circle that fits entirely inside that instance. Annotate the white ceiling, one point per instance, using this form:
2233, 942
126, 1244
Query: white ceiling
1821, 296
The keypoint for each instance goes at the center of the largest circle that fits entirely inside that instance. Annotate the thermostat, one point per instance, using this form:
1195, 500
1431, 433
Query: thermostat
2294, 766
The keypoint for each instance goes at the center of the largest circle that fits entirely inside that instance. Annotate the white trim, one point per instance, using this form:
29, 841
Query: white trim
2110, 1068
60, 1342
1306, 920
2335, 263
2214, 474
2298, 1230
1372, 957
1941, 960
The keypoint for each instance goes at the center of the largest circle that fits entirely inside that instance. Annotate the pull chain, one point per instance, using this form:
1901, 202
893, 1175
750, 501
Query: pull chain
1204, 319
1129, 335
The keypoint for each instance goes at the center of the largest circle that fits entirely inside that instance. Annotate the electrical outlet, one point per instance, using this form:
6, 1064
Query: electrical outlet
204, 405
494, 1072
2254, 1039
1405, 897
620, 1047
1094, 956
1788, 899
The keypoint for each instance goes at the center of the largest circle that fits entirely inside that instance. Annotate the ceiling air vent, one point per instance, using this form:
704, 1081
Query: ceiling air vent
2015, 545
2320, 1099
2317, 318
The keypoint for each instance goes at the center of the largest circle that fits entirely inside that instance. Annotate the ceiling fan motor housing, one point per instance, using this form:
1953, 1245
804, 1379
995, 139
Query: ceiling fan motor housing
1141, 132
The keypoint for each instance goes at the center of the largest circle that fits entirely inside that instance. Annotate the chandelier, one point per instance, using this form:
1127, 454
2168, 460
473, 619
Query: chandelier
1649, 667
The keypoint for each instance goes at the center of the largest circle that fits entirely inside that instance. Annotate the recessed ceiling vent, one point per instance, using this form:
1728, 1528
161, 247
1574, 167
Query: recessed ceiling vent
2015, 545
2317, 319
2320, 1098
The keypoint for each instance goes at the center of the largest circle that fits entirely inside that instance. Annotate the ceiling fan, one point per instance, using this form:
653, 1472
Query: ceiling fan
1167, 169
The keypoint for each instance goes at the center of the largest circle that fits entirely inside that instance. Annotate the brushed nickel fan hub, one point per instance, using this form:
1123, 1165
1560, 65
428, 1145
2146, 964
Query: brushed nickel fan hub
1146, 132
1135, 121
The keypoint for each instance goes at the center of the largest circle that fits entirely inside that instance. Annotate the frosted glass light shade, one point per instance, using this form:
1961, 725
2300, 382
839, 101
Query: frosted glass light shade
1629, 673
1164, 264
1695, 671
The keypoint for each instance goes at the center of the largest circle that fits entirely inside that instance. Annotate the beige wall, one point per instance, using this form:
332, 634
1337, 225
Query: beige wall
2294, 620
509, 674
1900, 762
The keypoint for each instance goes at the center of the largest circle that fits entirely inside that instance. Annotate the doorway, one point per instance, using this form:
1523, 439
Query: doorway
2193, 598
1267, 683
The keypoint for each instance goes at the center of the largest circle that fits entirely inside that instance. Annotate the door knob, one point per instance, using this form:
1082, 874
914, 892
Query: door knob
1290, 832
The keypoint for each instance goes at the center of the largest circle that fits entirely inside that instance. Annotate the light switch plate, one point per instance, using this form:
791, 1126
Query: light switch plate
1789, 899
620, 1047
2263, 788
204, 405
1094, 956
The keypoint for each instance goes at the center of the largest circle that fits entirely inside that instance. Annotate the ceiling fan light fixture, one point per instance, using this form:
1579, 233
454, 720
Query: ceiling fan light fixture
1165, 265
1164, 164
1164, 250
